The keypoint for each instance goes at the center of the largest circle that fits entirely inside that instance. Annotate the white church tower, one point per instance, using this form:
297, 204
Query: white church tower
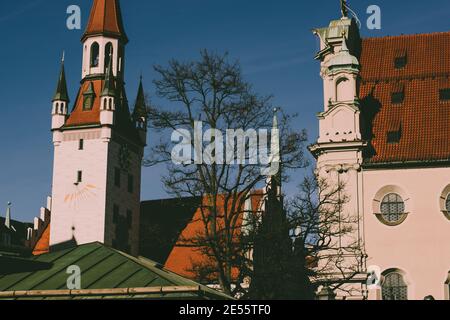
98, 146
339, 147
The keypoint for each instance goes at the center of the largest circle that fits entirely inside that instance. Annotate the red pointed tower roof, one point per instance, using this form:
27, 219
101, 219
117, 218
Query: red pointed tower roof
106, 19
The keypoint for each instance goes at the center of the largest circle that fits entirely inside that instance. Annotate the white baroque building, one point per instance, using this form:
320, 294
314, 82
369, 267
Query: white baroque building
385, 132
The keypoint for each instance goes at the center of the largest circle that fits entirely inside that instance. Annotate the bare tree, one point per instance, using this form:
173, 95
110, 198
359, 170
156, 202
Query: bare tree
325, 233
213, 91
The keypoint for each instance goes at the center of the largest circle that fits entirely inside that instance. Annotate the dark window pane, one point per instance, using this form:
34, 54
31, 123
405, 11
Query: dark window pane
80, 176
116, 214
394, 136
108, 54
129, 218
398, 97
117, 175
122, 233
400, 62
95, 52
130, 183
81, 144
444, 94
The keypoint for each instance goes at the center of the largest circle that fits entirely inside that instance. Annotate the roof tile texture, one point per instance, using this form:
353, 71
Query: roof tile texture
105, 18
421, 118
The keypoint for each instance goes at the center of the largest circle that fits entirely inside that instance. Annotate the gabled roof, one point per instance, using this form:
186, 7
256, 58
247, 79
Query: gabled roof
171, 226
421, 120
106, 273
162, 222
78, 116
106, 19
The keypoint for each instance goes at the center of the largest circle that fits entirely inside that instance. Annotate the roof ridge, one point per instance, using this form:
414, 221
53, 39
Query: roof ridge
161, 271
254, 193
437, 33
153, 267
168, 199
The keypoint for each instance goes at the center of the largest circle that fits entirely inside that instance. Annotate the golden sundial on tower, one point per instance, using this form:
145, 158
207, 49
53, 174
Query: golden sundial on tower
81, 192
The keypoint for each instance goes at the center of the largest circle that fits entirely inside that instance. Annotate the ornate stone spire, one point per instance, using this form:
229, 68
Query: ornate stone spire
274, 180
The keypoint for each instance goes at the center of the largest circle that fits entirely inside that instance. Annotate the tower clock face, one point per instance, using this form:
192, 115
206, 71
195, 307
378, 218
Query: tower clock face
124, 157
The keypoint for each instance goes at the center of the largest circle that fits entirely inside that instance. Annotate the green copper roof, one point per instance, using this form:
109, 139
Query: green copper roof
105, 273
109, 88
140, 108
61, 89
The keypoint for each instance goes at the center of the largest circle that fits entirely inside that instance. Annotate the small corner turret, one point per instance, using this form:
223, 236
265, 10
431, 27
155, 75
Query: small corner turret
340, 45
140, 113
108, 97
60, 108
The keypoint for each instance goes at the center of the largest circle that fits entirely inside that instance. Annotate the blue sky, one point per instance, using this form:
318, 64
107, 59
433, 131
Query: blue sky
271, 38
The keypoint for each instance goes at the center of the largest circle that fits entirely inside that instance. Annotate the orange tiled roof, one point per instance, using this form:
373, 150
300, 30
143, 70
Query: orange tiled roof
182, 259
184, 216
421, 119
106, 18
43, 244
80, 117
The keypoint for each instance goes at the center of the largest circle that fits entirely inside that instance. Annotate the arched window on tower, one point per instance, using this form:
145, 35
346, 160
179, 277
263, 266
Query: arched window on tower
95, 52
394, 287
109, 52
344, 90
